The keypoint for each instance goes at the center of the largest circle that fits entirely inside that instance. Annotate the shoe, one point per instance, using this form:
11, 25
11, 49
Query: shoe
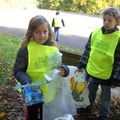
102, 118
84, 110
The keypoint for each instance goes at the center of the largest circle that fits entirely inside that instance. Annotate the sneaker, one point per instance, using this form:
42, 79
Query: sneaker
83, 110
102, 118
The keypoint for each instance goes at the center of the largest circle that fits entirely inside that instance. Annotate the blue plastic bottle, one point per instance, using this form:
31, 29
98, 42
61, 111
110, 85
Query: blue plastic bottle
33, 95
39, 96
28, 97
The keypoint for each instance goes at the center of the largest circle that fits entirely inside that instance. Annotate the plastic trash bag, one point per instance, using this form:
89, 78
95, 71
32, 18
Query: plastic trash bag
84, 99
79, 87
115, 92
52, 85
61, 102
54, 60
65, 117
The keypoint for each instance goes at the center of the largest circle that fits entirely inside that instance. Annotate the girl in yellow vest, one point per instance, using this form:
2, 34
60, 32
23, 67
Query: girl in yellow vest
36, 57
101, 59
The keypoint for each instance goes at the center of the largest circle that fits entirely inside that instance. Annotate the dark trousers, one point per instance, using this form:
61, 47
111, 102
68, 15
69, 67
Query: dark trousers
35, 112
57, 33
105, 96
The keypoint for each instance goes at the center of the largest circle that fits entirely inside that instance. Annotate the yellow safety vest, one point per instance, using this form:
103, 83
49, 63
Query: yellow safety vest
57, 21
101, 59
41, 60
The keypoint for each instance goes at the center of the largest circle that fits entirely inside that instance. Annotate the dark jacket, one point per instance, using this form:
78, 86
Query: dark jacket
115, 76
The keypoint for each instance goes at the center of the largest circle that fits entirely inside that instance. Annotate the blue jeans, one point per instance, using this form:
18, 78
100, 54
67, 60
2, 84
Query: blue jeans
57, 33
105, 96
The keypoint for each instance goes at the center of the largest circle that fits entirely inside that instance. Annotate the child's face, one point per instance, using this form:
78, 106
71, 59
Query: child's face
109, 22
41, 34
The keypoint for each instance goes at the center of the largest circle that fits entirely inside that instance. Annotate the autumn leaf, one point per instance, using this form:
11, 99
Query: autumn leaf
2, 114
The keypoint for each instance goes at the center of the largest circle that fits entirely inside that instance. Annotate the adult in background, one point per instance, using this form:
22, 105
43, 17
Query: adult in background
57, 23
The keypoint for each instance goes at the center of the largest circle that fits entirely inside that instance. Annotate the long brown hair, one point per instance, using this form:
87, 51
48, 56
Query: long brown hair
33, 24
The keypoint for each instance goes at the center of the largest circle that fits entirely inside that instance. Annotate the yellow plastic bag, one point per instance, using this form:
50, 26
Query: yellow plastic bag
79, 87
78, 84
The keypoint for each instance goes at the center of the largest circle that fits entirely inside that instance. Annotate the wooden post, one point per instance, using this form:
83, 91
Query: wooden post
70, 58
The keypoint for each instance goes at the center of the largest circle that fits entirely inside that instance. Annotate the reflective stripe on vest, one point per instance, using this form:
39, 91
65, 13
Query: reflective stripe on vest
40, 61
101, 59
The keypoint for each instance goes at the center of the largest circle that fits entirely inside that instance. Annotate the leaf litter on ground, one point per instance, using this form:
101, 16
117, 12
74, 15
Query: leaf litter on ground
12, 105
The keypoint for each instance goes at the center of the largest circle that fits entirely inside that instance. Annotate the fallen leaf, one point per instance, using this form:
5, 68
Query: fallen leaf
2, 114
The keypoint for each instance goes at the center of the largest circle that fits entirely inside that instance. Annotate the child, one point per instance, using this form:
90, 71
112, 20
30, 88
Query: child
101, 59
36, 57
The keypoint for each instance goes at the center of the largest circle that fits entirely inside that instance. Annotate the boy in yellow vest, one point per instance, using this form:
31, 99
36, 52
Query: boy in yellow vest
101, 59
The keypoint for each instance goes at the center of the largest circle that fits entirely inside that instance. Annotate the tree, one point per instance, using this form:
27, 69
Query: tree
84, 6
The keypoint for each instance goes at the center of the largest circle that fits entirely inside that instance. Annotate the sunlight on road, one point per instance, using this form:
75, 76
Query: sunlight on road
75, 24
81, 25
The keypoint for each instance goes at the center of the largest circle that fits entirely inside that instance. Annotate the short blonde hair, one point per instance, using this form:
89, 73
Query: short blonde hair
112, 12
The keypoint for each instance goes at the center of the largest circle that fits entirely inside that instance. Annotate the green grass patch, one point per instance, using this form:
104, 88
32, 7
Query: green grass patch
70, 50
8, 49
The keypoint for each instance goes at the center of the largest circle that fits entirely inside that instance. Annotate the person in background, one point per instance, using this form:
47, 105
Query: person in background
101, 60
57, 23
35, 58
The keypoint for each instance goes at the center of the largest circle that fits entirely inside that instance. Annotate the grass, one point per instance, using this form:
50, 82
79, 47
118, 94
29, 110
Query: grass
70, 50
8, 50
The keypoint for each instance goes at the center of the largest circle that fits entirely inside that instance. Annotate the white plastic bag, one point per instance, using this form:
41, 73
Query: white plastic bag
66, 117
79, 87
62, 103
84, 102
52, 85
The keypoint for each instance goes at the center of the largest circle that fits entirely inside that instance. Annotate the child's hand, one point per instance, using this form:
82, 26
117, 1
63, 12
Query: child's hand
61, 71
79, 70
64, 70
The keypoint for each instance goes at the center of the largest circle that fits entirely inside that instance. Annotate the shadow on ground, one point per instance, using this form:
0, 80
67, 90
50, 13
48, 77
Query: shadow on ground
19, 32
72, 41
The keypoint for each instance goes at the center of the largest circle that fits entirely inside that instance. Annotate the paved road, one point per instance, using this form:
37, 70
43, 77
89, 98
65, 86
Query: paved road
74, 34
